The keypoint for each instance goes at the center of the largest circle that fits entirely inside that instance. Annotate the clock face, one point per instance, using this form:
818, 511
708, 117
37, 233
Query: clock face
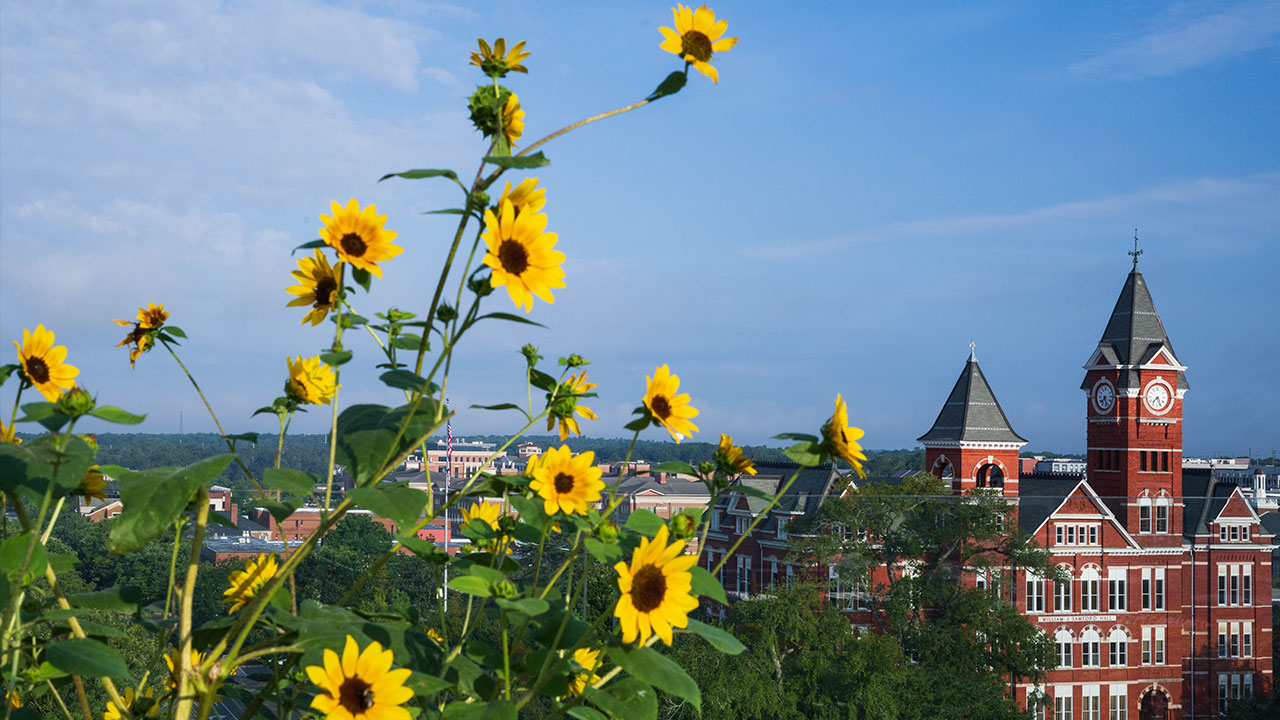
1157, 396
1104, 397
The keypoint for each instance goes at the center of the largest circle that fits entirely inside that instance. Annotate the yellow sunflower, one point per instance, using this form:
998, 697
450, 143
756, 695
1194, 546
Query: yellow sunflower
129, 697
358, 236
43, 363
589, 661
15, 701
656, 589
564, 409
696, 37
318, 288
171, 659
841, 440
152, 316
93, 486
487, 513
526, 196
150, 319
512, 120
567, 482
311, 381
522, 256
435, 636
496, 61
7, 434
360, 686
669, 408
728, 458
246, 583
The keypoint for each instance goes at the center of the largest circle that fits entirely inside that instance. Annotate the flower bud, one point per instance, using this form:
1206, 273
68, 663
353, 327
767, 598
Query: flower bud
683, 526
76, 402
506, 525
505, 589
91, 440
576, 360
608, 532
446, 313
530, 354
480, 286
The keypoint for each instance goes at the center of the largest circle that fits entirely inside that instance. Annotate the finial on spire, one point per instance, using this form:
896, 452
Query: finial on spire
1135, 252
973, 355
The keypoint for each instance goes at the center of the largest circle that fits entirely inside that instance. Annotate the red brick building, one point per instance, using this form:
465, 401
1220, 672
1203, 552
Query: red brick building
1167, 610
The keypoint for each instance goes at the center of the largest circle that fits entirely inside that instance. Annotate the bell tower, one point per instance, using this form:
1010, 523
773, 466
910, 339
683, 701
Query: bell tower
971, 443
1134, 387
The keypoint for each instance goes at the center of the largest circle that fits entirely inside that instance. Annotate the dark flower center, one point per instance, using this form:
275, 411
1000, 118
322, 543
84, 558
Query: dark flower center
37, 370
564, 483
324, 290
353, 245
355, 695
648, 588
513, 256
660, 407
697, 45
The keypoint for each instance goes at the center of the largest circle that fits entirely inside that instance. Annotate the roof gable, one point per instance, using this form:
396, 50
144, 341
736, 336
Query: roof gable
971, 412
1080, 502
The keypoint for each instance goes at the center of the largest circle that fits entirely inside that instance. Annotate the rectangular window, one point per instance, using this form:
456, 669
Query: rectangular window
1235, 533
1222, 692
1222, 584
1062, 705
1093, 534
1115, 589
1058, 534
980, 579
1247, 690
1246, 640
773, 573
1064, 653
742, 525
1090, 702
1233, 649
1222, 639
1143, 457
1035, 594
1144, 518
1119, 703
1119, 653
1090, 655
782, 527
1247, 585
1222, 533
1164, 461
1089, 595
1146, 589
1158, 654
1162, 516
1159, 590
1244, 534
1071, 534
1062, 596
1146, 646
1235, 585
744, 575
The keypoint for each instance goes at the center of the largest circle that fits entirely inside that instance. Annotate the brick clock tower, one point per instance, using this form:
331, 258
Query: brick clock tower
971, 443
1134, 386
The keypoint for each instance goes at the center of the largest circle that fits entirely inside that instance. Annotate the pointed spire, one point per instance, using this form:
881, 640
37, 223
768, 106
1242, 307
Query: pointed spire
1134, 332
971, 413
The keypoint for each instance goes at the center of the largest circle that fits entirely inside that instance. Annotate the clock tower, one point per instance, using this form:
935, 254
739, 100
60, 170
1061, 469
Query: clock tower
1134, 386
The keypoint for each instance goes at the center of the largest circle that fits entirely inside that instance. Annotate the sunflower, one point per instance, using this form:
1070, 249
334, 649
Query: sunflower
358, 237
671, 410
526, 196
729, 460
566, 481
246, 583
150, 319
15, 701
841, 440
522, 256
171, 659
487, 513
318, 288
129, 697
93, 486
589, 661
496, 61
656, 589
567, 405
152, 316
43, 363
6, 434
360, 686
311, 381
696, 37
435, 636
512, 120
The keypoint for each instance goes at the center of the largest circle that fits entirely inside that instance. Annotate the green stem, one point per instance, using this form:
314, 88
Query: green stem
333, 402
11, 431
184, 700
506, 657
248, 473
173, 566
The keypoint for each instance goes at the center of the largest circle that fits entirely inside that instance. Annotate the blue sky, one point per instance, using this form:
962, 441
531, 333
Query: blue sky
865, 191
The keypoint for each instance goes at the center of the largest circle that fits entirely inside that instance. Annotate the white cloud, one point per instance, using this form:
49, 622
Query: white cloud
1184, 39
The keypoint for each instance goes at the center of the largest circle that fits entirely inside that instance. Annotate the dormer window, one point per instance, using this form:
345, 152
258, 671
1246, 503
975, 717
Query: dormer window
742, 524
782, 527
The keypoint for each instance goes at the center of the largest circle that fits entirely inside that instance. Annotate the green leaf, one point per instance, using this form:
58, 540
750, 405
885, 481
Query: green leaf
471, 585
116, 415
333, 359
532, 512
805, 453
33, 465
654, 668
247, 437
290, 481
507, 316
603, 552
401, 503
87, 658
6, 371
419, 174
175, 331
366, 434
638, 424
63, 563
582, 712
627, 699
797, 436
675, 466
310, 245
362, 277
406, 380
424, 549
669, 86
706, 585
532, 607
721, 640
280, 510
644, 522
501, 406
519, 162
91, 628
121, 599
446, 211
45, 413
349, 320
541, 380
427, 685
407, 341
14, 549
496, 710
154, 499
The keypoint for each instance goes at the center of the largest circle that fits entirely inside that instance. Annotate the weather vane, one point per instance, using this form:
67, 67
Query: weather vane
1135, 252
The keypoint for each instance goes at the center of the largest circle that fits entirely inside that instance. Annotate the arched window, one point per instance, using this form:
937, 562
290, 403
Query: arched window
1089, 581
1062, 591
1064, 640
1144, 514
1164, 506
990, 475
943, 468
1090, 648
1118, 643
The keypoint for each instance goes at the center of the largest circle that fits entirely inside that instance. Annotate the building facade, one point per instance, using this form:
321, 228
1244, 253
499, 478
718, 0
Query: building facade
1164, 609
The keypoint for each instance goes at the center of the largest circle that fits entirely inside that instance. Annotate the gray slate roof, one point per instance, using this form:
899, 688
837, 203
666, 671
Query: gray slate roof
1271, 523
1039, 496
971, 413
633, 484
1202, 498
804, 496
1134, 333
